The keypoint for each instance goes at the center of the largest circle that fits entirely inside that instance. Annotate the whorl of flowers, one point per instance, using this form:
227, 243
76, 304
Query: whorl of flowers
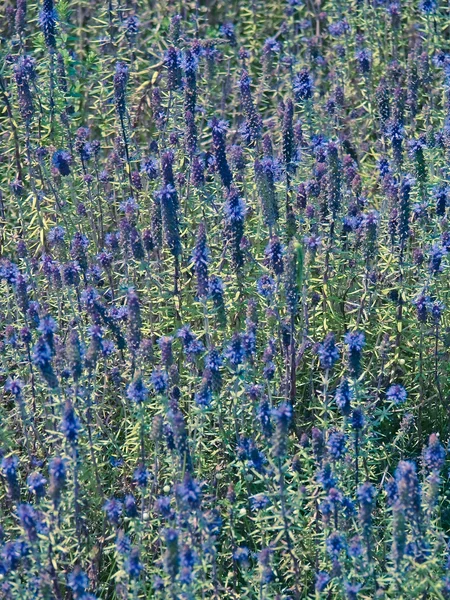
235, 211
264, 178
252, 126
302, 86
24, 73
173, 64
48, 18
121, 75
200, 258
219, 129
168, 200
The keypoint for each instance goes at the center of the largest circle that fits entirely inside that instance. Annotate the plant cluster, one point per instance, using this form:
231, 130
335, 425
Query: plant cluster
224, 339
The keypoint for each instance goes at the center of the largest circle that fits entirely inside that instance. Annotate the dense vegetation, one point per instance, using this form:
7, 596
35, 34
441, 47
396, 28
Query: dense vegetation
224, 338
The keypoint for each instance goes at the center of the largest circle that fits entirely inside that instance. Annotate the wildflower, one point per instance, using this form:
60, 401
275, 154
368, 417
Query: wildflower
9, 470
165, 346
267, 574
269, 51
123, 543
269, 365
47, 326
235, 211
227, 30
291, 279
436, 256
23, 77
36, 484
94, 348
326, 477
121, 75
201, 259
78, 582
190, 88
198, 172
428, 7
318, 443
168, 201
20, 17
266, 286
357, 419
302, 86
12, 553
134, 321
369, 224
404, 210
47, 21
422, 303
162, 507
29, 520
56, 236
441, 195
335, 544
253, 123
58, 475
191, 345
172, 62
25, 333
150, 168
235, 351
113, 509
241, 555
274, 255
42, 358
328, 352
352, 590
265, 173
364, 60
130, 506
366, 495
343, 397
132, 564
282, 416
396, 393
219, 129
337, 445
395, 14
62, 160
408, 489
70, 425
141, 476
203, 396
137, 391
188, 558
132, 28
75, 354
15, 387
436, 309
189, 493
249, 453
172, 554
355, 341
322, 580
259, 502
22, 292
158, 584
434, 454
